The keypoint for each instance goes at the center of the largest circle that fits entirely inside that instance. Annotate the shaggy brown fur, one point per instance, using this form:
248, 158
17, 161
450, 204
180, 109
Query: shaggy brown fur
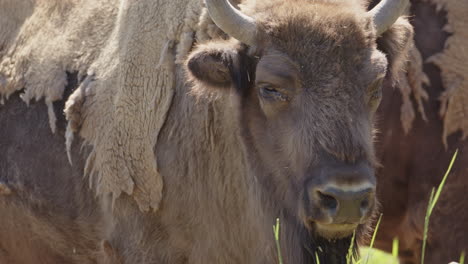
414, 163
230, 165
453, 62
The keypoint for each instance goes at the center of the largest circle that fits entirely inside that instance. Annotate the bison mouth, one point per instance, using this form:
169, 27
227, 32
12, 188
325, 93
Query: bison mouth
330, 251
330, 248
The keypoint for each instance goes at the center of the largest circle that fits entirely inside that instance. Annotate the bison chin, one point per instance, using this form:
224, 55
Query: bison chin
334, 231
331, 247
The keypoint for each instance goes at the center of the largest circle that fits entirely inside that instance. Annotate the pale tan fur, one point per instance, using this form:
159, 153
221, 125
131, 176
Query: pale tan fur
48, 39
45, 39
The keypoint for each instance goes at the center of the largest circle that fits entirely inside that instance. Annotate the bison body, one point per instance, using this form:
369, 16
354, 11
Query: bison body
415, 162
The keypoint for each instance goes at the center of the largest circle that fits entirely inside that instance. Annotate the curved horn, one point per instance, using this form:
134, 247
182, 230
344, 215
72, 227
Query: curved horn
386, 13
232, 21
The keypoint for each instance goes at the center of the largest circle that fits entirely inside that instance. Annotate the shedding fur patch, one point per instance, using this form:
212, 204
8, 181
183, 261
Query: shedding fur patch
127, 52
411, 84
44, 40
453, 63
189, 30
126, 104
73, 112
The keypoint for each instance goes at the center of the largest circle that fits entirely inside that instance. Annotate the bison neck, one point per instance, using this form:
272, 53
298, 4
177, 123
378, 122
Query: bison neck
209, 196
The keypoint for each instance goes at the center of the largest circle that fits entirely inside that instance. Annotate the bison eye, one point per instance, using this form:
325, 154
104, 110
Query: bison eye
269, 92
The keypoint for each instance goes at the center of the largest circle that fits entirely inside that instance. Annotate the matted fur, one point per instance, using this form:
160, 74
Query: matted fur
410, 85
453, 63
42, 40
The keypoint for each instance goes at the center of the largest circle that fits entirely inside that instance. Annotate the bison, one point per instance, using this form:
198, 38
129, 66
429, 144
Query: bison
274, 122
415, 162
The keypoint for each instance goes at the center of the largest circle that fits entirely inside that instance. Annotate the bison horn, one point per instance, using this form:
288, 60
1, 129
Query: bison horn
386, 13
232, 21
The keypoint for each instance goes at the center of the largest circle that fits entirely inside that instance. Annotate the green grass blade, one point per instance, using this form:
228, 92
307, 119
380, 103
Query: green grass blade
426, 226
373, 239
349, 256
395, 248
462, 258
442, 183
276, 229
317, 259
432, 202
375, 231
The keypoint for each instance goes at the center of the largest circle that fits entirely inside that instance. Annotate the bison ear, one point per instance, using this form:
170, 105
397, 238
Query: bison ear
212, 64
396, 43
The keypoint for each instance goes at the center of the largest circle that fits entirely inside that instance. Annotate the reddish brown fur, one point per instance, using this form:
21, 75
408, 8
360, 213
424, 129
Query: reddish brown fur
230, 165
414, 163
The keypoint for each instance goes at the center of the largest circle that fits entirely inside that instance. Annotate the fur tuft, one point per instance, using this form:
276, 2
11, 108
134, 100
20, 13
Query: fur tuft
396, 43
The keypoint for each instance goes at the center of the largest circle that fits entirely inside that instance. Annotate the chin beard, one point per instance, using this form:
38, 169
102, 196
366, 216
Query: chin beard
336, 251
313, 246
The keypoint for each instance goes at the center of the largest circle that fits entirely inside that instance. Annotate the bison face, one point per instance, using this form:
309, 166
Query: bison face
307, 90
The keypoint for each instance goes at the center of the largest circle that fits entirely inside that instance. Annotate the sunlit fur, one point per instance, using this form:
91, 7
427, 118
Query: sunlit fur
231, 163
332, 49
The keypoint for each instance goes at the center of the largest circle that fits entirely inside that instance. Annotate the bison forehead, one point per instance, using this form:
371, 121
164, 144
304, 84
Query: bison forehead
311, 30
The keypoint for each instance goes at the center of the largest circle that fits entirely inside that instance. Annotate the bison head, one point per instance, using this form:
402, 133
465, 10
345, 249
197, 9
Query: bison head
307, 80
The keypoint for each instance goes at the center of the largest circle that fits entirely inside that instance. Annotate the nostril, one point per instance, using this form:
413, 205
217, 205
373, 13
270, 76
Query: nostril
327, 201
364, 204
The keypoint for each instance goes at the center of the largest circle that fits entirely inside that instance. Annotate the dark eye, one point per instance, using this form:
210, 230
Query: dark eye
269, 92
269, 89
